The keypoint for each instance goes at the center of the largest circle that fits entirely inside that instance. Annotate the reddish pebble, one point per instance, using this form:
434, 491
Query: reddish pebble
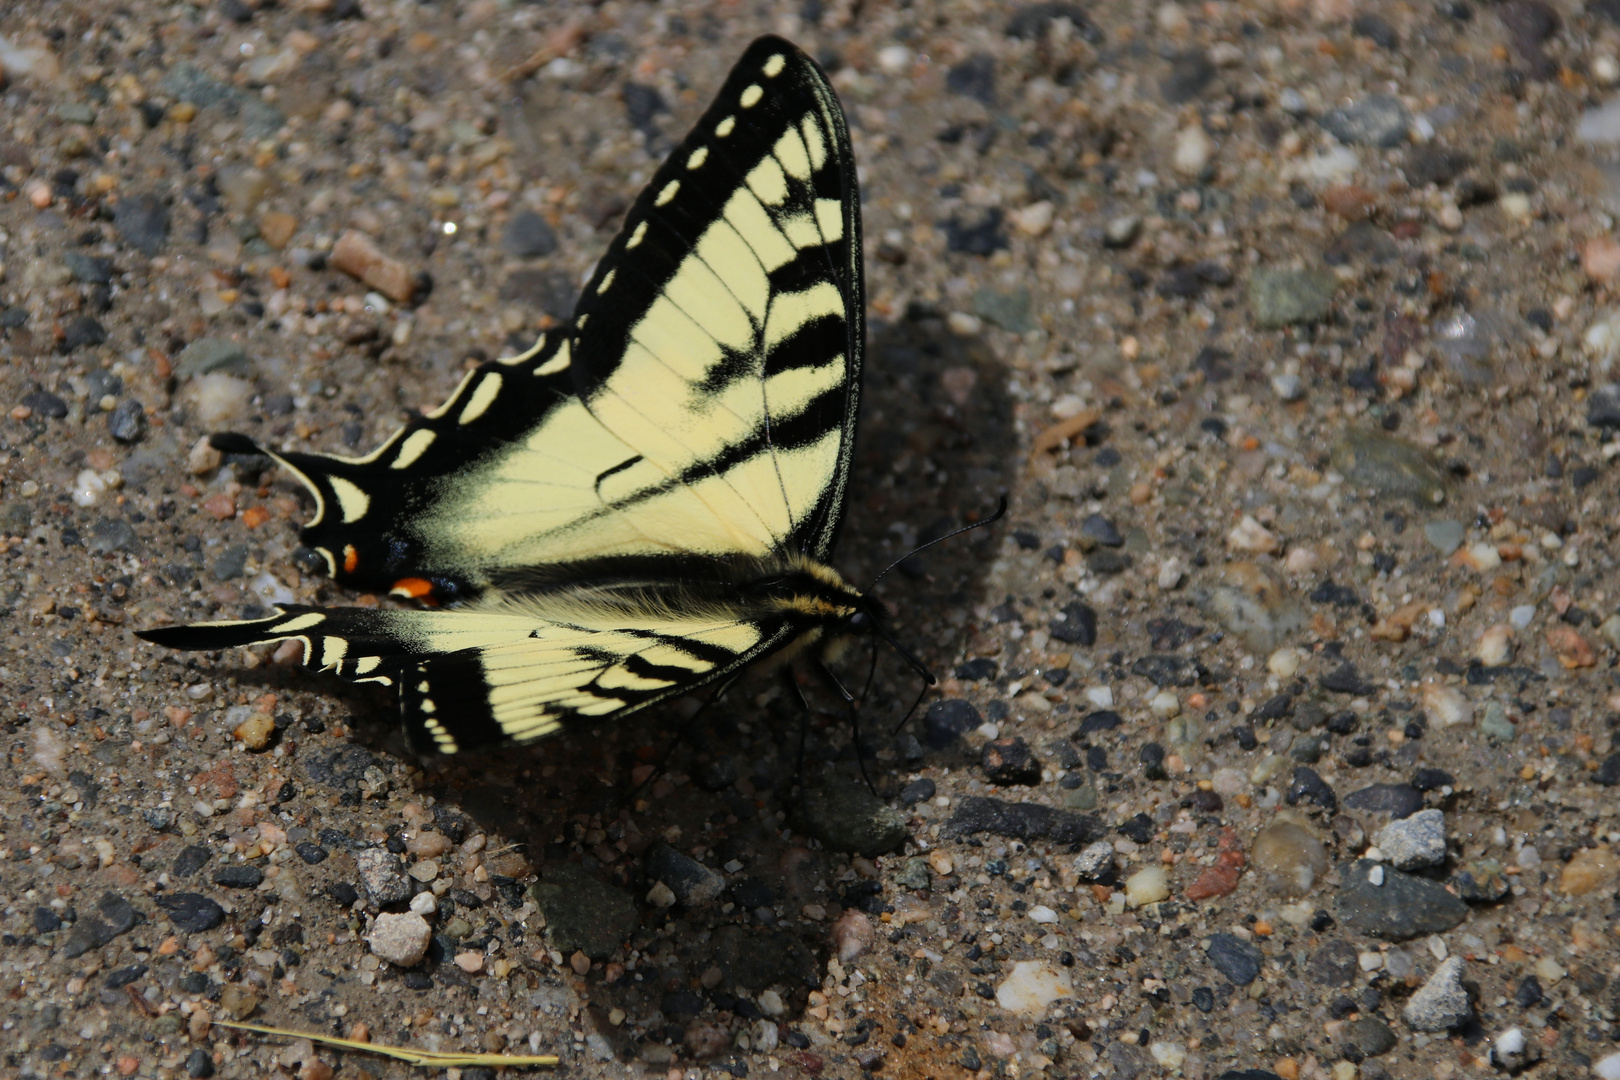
128, 1065
1222, 878
254, 516
222, 506
1600, 258
1573, 650
1349, 201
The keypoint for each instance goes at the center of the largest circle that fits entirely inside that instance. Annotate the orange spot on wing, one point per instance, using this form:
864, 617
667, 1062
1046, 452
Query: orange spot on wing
414, 588
351, 558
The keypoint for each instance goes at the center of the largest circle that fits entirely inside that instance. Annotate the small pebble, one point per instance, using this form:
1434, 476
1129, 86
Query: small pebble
1147, 886
1442, 1002
1031, 987
400, 939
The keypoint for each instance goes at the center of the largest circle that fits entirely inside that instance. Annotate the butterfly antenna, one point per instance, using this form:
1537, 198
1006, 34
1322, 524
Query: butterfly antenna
1001, 512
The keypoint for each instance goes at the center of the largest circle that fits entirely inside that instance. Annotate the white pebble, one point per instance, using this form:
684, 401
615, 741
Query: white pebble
894, 59
1170, 1056
400, 939
1042, 914
1284, 663
1608, 1068
1287, 387
1101, 697
88, 488
1031, 987
1375, 876
1194, 148
1445, 706
1512, 1041
1148, 885
1605, 70
1520, 616
1170, 573
425, 903
1165, 704
962, 324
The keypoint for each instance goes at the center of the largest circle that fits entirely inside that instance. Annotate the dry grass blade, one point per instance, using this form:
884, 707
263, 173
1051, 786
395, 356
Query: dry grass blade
561, 42
411, 1057
1064, 431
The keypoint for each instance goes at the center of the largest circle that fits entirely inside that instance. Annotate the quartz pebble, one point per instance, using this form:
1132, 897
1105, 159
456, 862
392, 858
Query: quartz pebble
1445, 706
1289, 858
1147, 886
1031, 987
400, 939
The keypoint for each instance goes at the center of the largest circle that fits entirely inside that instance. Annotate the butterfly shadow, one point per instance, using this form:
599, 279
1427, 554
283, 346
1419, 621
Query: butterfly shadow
724, 879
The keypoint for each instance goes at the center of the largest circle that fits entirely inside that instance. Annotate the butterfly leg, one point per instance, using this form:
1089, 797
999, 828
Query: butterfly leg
796, 693
854, 720
681, 734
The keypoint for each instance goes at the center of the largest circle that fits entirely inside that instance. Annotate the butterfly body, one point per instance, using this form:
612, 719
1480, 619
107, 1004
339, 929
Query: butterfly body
646, 500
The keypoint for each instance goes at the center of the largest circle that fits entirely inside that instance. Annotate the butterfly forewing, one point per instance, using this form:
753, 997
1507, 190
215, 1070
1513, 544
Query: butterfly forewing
596, 496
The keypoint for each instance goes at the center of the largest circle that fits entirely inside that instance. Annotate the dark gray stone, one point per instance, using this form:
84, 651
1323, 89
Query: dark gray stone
1334, 963
1076, 625
1603, 407
528, 236
44, 403
127, 422
90, 269
80, 333
238, 877
974, 77
1235, 958
1380, 120
1022, 821
693, 884
1396, 800
1369, 1036
142, 222
1010, 761
947, 721
382, 877
1308, 786
191, 913
1100, 530
917, 791
1402, 907
583, 914
191, 859
848, 817
110, 535
1190, 73
231, 562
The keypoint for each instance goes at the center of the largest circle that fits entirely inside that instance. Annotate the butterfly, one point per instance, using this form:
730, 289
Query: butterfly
645, 501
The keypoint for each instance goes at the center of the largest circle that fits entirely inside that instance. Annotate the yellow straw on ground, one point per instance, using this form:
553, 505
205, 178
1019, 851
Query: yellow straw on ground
413, 1057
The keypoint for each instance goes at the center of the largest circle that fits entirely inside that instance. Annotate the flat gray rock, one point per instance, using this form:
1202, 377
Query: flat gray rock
1385, 903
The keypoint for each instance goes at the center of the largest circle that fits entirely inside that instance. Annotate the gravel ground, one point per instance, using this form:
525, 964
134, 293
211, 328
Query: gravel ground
1277, 732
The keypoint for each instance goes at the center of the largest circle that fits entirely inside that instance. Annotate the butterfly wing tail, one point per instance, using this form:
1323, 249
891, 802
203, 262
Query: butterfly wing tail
357, 644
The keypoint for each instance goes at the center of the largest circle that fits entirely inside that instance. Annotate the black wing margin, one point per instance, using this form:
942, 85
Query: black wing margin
754, 214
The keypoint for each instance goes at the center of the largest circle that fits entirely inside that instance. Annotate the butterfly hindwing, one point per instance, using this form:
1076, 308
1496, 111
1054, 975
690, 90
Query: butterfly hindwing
506, 671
